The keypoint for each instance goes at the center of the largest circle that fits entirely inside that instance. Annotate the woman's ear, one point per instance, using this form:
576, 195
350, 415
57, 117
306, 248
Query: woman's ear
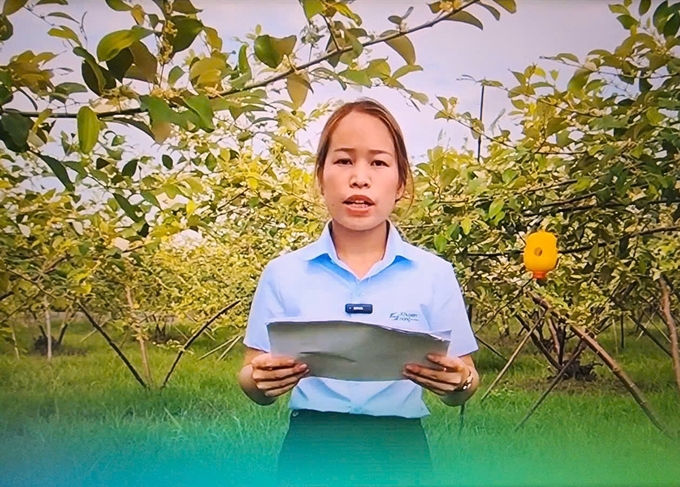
400, 192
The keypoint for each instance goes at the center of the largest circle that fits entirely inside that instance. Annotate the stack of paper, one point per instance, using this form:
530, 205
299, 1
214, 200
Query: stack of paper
353, 351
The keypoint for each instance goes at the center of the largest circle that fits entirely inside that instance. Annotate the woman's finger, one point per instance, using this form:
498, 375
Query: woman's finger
271, 362
279, 384
453, 378
277, 374
434, 386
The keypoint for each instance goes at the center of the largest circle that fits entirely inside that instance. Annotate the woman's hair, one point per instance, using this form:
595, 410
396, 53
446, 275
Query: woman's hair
369, 107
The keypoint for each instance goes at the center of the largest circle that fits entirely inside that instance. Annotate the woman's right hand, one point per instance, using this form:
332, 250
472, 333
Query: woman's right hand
274, 375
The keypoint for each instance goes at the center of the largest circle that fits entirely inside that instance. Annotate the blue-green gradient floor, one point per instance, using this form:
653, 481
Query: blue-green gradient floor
82, 420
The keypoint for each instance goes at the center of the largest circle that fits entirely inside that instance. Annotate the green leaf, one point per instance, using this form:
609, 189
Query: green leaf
59, 170
14, 131
151, 198
496, 14
125, 205
654, 117
114, 42
359, 77
644, 6
660, 16
466, 18
420, 97
200, 104
12, 6
160, 112
405, 69
618, 9
440, 243
130, 168
243, 65
289, 144
119, 65
210, 162
187, 31
403, 46
88, 129
52, 2
297, 87
378, 68
495, 208
312, 8
270, 50
64, 32
175, 74
579, 80
61, 15
145, 64
447, 176
6, 28
167, 161
627, 21
466, 225
344, 10
509, 5
213, 38
185, 7
670, 30
118, 5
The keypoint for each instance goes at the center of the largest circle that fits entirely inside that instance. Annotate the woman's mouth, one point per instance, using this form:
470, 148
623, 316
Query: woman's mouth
358, 204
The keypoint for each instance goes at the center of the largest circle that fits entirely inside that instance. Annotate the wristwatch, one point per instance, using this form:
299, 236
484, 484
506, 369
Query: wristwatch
468, 382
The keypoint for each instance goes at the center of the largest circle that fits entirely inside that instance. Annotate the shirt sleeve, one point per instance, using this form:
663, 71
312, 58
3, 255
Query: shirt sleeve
449, 313
265, 307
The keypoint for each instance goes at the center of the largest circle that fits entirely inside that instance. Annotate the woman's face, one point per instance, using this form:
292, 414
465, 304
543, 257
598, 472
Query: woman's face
360, 178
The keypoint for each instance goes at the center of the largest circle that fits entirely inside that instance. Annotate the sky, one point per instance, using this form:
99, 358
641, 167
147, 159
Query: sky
447, 51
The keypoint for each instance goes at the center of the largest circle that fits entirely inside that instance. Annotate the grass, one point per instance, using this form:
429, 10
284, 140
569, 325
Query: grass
83, 420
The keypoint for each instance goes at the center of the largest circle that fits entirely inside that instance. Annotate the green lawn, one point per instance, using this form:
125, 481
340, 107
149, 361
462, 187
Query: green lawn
83, 420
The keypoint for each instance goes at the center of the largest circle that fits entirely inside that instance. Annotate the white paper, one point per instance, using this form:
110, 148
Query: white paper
353, 351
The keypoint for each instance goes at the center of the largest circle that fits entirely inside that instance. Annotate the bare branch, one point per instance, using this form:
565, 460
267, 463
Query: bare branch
276, 77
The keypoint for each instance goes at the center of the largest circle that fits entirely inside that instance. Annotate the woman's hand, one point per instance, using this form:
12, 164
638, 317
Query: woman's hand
444, 379
275, 376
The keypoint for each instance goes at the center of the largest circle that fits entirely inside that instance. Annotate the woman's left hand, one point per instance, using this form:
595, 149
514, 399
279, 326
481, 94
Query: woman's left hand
443, 380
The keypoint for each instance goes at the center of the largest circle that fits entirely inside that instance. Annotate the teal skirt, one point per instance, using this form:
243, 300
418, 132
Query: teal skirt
338, 449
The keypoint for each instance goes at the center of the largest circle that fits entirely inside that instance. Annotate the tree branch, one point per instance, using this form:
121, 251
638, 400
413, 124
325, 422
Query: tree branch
194, 337
576, 250
274, 78
672, 330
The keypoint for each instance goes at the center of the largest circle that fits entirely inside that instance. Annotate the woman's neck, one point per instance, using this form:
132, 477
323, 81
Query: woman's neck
360, 250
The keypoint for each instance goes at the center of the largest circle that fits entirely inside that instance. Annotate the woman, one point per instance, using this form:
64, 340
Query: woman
347, 432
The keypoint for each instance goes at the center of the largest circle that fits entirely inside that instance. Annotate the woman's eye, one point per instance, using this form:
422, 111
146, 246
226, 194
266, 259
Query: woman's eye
380, 163
343, 161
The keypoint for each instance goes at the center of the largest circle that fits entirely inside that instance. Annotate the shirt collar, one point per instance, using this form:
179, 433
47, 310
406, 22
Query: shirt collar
396, 246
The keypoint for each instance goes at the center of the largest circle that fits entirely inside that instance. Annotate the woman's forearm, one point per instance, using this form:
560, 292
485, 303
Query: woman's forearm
245, 380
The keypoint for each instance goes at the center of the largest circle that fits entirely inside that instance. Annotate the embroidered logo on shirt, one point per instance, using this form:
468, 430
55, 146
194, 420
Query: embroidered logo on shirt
404, 316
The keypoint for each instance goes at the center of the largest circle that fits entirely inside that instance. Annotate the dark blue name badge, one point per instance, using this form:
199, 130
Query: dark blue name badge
366, 309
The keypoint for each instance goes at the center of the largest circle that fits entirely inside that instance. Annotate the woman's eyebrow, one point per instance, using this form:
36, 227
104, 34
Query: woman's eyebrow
371, 151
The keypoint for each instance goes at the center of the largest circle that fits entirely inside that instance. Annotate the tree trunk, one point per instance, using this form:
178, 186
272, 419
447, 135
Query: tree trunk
622, 376
672, 330
538, 343
513, 356
612, 364
14, 340
140, 337
48, 327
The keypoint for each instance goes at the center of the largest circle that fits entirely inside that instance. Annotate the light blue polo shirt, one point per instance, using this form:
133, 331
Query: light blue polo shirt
409, 288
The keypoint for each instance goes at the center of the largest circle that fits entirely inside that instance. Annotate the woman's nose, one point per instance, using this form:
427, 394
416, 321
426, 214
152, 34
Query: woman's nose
360, 176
